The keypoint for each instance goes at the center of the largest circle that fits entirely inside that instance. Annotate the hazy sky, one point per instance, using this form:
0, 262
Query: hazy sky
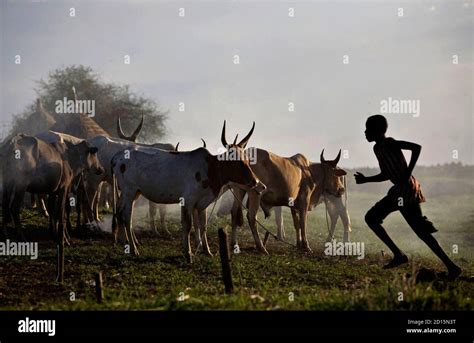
283, 59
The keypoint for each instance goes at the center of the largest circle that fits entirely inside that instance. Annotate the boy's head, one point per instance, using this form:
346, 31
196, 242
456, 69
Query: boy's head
375, 127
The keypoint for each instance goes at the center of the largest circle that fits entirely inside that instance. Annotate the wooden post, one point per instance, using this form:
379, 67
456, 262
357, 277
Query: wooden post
99, 290
225, 261
265, 240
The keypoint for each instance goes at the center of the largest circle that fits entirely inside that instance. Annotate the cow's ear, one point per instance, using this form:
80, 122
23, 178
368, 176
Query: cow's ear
93, 150
340, 172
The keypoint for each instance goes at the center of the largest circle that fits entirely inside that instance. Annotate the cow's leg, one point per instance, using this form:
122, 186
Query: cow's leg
279, 222
237, 215
304, 239
68, 230
254, 204
197, 231
186, 223
127, 218
79, 205
62, 198
96, 190
346, 222
163, 229
202, 215
333, 215
125, 214
50, 201
134, 236
296, 223
90, 209
118, 228
6, 209
33, 200
16, 207
107, 196
152, 213
42, 205
135, 239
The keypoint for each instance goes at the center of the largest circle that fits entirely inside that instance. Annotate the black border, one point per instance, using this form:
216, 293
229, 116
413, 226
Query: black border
232, 323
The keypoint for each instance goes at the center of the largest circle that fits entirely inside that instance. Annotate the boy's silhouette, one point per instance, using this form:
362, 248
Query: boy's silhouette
405, 196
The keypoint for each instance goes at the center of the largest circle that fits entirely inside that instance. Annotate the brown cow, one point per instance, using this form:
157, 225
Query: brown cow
32, 165
291, 181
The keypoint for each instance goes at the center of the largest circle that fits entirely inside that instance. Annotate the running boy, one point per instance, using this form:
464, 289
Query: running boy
405, 196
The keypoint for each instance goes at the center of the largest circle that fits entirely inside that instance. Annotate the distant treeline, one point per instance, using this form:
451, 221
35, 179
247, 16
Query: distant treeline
445, 179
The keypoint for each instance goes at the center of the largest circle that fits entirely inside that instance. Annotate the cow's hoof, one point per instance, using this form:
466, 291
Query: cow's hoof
305, 249
189, 258
136, 253
263, 251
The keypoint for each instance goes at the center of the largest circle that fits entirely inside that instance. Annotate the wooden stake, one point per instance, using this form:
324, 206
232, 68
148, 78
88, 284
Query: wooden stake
225, 261
99, 292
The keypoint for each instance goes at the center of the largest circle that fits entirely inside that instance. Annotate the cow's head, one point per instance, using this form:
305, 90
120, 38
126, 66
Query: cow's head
328, 175
235, 166
87, 157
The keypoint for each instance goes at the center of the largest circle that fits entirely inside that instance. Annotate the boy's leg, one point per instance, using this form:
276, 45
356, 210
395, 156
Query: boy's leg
424, 229
374, 219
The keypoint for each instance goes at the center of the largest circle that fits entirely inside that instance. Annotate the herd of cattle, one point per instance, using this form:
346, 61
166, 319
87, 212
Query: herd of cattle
54, 165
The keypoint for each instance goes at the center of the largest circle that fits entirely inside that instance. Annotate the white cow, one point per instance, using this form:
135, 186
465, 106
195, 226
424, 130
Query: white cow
193, 179
108, 148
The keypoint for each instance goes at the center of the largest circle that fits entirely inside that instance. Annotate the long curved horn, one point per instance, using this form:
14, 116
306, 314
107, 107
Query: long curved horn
203, 143
321, 158
135, 133
336, 161
223, 140
244, 141
235, 140
119, 129
176, 147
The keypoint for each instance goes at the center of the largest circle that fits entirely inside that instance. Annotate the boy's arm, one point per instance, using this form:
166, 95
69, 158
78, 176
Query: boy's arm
361, 178
415, 153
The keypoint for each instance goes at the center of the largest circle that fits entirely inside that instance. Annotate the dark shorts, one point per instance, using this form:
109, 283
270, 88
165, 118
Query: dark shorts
412, 214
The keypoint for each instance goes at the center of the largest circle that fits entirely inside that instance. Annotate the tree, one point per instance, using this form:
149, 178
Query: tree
111, 100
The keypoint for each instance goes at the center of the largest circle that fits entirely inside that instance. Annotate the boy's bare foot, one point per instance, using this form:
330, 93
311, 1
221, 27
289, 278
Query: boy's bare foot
396, 261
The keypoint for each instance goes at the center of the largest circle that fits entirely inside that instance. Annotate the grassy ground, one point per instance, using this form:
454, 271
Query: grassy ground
160, 280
